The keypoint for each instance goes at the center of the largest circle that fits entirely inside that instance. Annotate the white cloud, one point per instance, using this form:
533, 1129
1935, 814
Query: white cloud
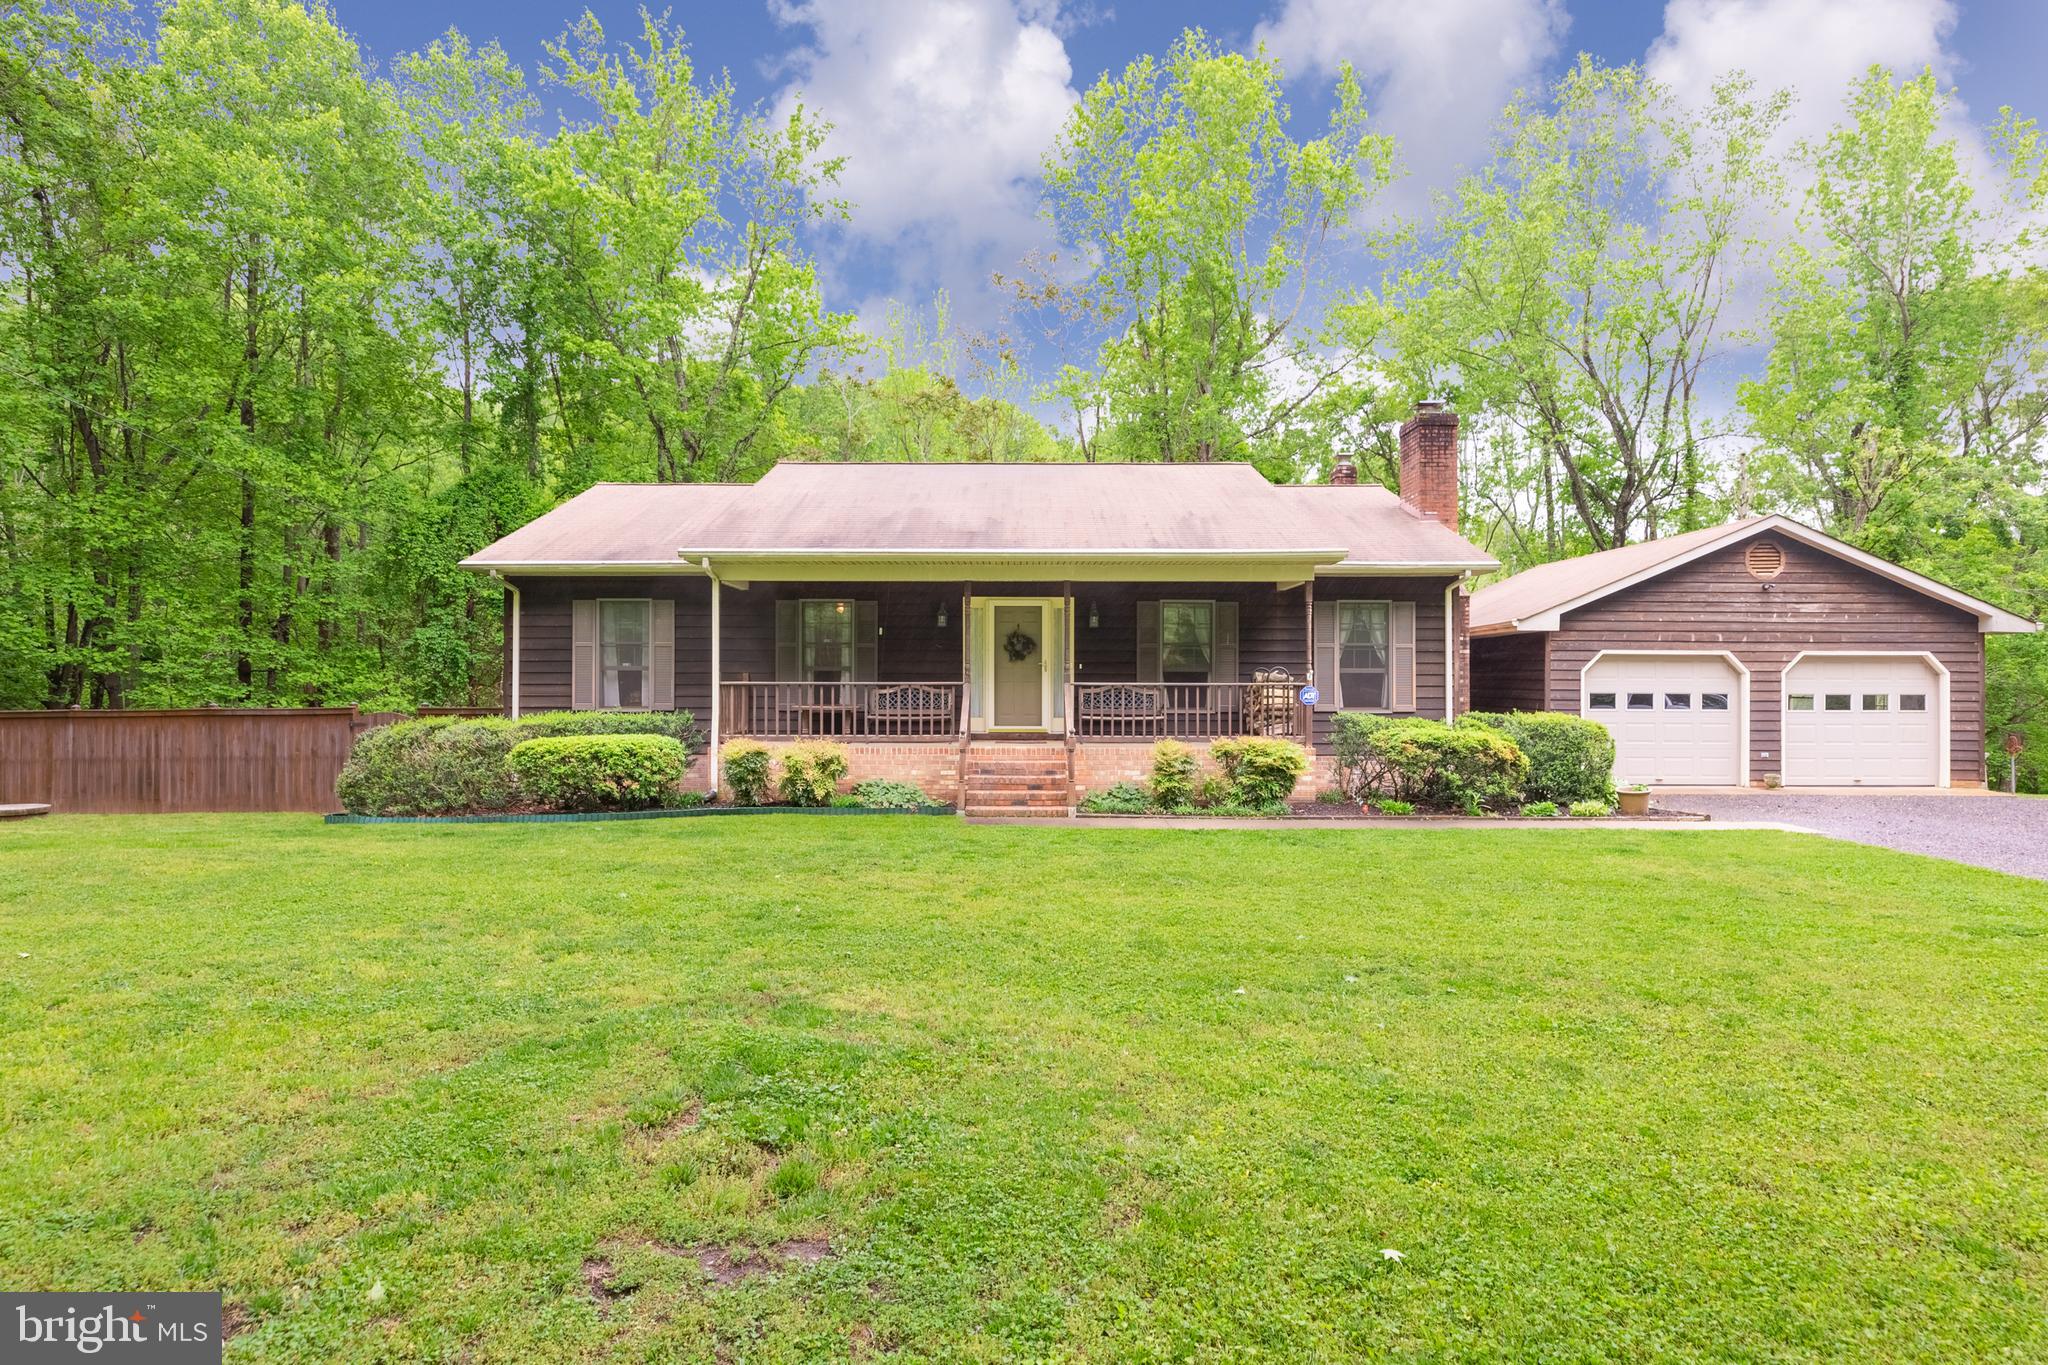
1814, 48
1436, 71
943, 109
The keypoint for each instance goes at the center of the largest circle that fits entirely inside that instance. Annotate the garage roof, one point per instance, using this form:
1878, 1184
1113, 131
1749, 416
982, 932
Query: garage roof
1536, 599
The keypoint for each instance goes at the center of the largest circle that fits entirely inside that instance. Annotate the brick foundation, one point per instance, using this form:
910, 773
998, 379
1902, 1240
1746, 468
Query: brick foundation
934, 766
1098, 766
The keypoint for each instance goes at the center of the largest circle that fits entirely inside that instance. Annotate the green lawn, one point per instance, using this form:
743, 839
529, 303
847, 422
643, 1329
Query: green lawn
1081, 1094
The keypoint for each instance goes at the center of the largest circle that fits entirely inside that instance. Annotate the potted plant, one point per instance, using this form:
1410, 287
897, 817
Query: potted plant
1635, 799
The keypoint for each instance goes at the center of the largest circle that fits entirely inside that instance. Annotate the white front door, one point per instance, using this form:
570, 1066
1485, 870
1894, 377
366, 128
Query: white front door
1873, 720
1017, 663
1675, 718
1017, 678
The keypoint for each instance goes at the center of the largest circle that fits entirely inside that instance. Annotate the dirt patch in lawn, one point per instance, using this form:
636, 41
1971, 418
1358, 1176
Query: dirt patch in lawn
235, 1319
729, 1265
600, 1279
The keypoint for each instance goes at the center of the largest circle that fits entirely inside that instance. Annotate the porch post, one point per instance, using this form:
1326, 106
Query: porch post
1451, 652
1308, 622
717, 682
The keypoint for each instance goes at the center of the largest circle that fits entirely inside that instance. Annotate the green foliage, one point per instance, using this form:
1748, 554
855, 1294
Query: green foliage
1464, 767
1124, 798
1586, 810
884, 794
747, 765
1570, 294
1332, 796
1198, 217
812, 772
445, 765
1176, 775
1387, 805
1540, 808
598, 772
1261, 771
1570, 758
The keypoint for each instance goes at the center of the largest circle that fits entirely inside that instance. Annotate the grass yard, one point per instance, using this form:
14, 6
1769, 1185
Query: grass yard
785, 1089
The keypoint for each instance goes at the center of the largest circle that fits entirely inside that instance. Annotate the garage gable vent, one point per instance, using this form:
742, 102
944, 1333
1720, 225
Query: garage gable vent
1766, 559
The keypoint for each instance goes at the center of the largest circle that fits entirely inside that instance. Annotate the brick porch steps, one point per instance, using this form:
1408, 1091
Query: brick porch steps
1015, 778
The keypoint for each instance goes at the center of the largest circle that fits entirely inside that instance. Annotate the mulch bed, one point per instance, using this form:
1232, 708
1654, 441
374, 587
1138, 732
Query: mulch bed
1318, 810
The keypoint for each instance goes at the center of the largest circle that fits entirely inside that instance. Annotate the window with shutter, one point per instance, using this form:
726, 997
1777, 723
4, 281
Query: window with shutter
583, 654
1223, 663
1364, 655
1148, 640
1187, 641
1402, 682
625, 629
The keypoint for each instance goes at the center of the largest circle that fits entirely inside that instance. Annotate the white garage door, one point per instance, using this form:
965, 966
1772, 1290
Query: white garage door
1674, 717
1868, 721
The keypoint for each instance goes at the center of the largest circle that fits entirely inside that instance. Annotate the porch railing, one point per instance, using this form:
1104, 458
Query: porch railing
866, 710
1128, 710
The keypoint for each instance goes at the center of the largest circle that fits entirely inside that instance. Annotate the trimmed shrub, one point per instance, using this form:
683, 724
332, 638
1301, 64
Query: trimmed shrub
599, 772
1261, 772
1176, 776
1588, 810
811, 772
1465, 767
450, 765
1544, 808
1570, 758
746, 764
884, 794
1125, 798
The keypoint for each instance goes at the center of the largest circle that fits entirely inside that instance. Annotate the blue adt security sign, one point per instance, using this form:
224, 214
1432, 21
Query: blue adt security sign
1309, 696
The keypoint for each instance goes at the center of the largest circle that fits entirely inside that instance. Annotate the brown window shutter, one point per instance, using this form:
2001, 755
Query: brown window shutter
1223, 649
1402, 630
583, 654
1329, 696
1148, 641
867, 640
788, 626
661, 651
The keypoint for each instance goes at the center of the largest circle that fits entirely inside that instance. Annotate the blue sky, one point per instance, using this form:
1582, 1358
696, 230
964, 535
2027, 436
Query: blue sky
945, 106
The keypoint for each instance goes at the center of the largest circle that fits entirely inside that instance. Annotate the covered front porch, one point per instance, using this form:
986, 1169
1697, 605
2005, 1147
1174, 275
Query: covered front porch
923, 662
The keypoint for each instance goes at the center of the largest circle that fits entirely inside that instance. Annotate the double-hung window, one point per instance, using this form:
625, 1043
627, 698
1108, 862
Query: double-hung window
1364, 650
826, 641
624, 629
1187, 641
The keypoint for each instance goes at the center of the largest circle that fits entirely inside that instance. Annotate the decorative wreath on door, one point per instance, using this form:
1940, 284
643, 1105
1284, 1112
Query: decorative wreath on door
1018, 645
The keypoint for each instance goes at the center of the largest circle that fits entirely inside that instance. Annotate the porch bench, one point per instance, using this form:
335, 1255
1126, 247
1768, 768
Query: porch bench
912, 703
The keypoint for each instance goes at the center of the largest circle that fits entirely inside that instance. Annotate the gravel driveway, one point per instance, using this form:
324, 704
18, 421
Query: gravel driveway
2008, 834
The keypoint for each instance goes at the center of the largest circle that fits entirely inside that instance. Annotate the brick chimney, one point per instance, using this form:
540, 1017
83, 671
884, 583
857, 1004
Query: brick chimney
1344, 472
1429, 462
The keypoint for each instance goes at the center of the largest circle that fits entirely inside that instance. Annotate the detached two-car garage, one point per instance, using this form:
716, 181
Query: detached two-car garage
1757, 651
1847, 719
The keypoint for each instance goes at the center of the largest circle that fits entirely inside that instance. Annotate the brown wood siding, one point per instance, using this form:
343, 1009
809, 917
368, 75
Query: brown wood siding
1428, 596
544, 635
1508, 672
1272, 626
1819, 602
914, 647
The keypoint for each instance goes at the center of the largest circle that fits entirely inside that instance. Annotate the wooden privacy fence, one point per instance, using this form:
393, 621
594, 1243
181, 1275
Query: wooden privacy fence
206, 759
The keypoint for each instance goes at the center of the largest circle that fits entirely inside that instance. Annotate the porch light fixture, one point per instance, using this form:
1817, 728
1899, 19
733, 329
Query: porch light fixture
839, 607
1094, 617
942, 616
